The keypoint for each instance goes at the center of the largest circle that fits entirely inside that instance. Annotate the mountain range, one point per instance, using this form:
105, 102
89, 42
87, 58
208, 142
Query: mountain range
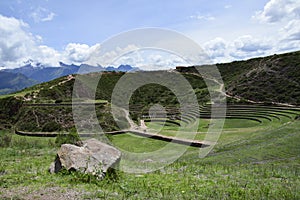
32, 73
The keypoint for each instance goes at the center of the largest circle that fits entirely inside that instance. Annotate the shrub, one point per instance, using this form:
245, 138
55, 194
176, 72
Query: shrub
58, 101
71, 138
5, 139
30, 126
51, 127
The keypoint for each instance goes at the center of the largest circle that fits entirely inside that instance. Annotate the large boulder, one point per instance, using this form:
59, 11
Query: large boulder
93, 157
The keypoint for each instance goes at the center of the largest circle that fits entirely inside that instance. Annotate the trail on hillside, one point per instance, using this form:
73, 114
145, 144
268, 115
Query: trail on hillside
68, 78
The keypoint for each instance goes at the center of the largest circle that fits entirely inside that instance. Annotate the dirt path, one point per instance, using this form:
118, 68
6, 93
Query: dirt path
133, 126
143, 125
47, 193
221, 88
68, 78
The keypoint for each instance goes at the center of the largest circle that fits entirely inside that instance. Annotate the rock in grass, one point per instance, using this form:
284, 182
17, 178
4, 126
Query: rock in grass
93, 157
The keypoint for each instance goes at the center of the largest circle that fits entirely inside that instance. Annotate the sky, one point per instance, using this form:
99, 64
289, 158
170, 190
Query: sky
72, 31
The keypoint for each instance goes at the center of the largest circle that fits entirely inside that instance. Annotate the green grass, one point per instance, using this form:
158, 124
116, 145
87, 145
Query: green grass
137, 144
16, 94
240, 123
255, 161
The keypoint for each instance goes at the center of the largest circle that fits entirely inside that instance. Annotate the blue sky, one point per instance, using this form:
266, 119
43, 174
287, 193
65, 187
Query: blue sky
49, 31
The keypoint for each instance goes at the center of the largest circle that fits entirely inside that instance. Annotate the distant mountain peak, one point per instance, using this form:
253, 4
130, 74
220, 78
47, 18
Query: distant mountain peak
32, 63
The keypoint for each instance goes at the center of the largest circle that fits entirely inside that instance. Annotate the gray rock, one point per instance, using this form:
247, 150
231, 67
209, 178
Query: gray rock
93, 157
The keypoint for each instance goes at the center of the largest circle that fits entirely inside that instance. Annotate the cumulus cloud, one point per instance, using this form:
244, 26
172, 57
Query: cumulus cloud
292, 30
15, 42
285, 14
248, 46
47, 55
17, 45
216, 47
243, 47
164, 61
277, 10
247, 43
41, 14
79, 53
290, 36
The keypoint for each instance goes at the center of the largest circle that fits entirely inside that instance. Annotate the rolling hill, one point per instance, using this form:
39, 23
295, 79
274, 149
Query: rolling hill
271, 79
11, 82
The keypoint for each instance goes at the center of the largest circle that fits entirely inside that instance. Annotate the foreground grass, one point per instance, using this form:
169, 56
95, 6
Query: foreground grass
260, 164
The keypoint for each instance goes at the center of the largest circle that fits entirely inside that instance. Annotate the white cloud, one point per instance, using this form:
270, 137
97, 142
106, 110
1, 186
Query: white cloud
247, 43
243, 47
290, 36
216, 47
15, 42
292, 30
17, 45
287, 46
49, 17
202, 17
284, 16
278, 10
160, 61
79, 53
48, 56
247, 46
41, 14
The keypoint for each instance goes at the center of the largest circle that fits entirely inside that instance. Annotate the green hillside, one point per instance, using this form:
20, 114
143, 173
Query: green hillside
268, 79
10, 82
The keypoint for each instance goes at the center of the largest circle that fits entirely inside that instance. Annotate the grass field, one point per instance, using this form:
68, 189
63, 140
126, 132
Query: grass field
252, 160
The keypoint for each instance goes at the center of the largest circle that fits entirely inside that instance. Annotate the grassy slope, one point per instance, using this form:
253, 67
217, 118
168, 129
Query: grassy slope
270, 79
260, 163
